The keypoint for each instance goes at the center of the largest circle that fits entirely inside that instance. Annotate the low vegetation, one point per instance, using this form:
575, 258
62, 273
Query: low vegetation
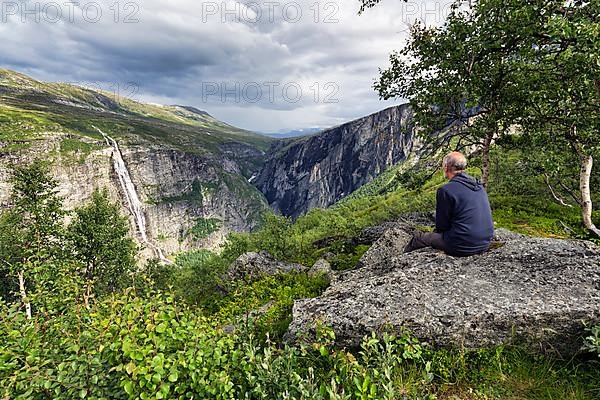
101, 329
29, 107
76, 150
204, 227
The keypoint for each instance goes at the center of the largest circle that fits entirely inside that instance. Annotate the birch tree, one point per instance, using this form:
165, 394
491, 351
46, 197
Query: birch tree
561, 77
459, 77
497, 65
100, 241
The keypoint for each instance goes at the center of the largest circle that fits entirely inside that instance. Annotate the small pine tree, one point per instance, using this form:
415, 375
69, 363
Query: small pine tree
99, 237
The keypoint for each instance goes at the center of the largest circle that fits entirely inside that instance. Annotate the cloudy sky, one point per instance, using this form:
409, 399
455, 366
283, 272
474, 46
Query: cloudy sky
261, 65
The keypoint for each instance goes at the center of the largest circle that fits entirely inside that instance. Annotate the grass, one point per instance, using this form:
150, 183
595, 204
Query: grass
23, 124
536, 377
77, 149
537, 217
507, 372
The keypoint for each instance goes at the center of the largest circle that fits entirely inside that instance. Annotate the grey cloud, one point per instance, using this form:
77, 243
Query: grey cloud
171, 54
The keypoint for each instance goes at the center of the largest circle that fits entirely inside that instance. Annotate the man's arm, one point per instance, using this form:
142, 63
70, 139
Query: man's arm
443, 210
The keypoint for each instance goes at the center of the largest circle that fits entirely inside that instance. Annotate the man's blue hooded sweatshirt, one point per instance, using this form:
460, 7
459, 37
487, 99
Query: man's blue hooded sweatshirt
463, 216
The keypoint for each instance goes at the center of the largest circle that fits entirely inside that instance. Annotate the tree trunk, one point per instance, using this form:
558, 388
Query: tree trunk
21, 275
485, 159
587, 162
86, 296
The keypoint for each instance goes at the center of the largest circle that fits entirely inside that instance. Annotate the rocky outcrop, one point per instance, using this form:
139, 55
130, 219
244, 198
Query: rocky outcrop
407, 222
533, 291
253, 265
390, 244
319, 170
321, 267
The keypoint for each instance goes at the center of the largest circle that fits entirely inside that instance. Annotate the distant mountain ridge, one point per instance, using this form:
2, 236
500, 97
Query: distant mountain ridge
294, 133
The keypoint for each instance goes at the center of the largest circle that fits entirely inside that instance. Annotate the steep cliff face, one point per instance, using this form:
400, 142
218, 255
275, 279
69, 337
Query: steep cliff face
319, 170
189, 171
189, 200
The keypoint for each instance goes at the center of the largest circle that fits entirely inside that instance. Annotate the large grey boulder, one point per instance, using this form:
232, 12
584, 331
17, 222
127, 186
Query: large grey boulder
533, 291
253, 265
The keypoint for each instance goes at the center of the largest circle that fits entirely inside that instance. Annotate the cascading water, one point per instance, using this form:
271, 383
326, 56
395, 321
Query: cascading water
131, 195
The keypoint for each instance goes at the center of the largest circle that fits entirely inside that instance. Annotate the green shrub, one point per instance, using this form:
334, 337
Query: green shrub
204, 227
279, 292
198, 277
347, 259
592, 342
154, 347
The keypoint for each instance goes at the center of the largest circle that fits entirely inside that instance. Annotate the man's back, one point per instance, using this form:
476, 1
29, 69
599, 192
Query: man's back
463, 216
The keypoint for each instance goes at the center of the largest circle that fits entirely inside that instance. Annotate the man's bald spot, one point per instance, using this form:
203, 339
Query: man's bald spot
455, 162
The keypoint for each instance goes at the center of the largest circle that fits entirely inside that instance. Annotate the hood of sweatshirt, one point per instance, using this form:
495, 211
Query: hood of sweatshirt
468, 181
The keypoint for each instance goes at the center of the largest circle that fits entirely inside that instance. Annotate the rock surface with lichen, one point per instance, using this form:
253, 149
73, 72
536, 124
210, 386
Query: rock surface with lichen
538, 292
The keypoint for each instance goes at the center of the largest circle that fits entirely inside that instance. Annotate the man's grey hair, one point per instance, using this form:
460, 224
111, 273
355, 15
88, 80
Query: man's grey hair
455, 162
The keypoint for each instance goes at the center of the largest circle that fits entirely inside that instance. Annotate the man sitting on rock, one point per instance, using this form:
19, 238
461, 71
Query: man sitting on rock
463, 220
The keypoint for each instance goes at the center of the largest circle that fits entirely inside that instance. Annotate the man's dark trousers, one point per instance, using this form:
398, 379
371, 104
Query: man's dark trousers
426, 239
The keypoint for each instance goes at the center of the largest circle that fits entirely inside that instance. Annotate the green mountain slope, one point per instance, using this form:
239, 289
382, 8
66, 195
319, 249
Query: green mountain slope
37, 107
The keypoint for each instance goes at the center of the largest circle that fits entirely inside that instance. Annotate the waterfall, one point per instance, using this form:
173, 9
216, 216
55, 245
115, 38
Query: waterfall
131, 195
